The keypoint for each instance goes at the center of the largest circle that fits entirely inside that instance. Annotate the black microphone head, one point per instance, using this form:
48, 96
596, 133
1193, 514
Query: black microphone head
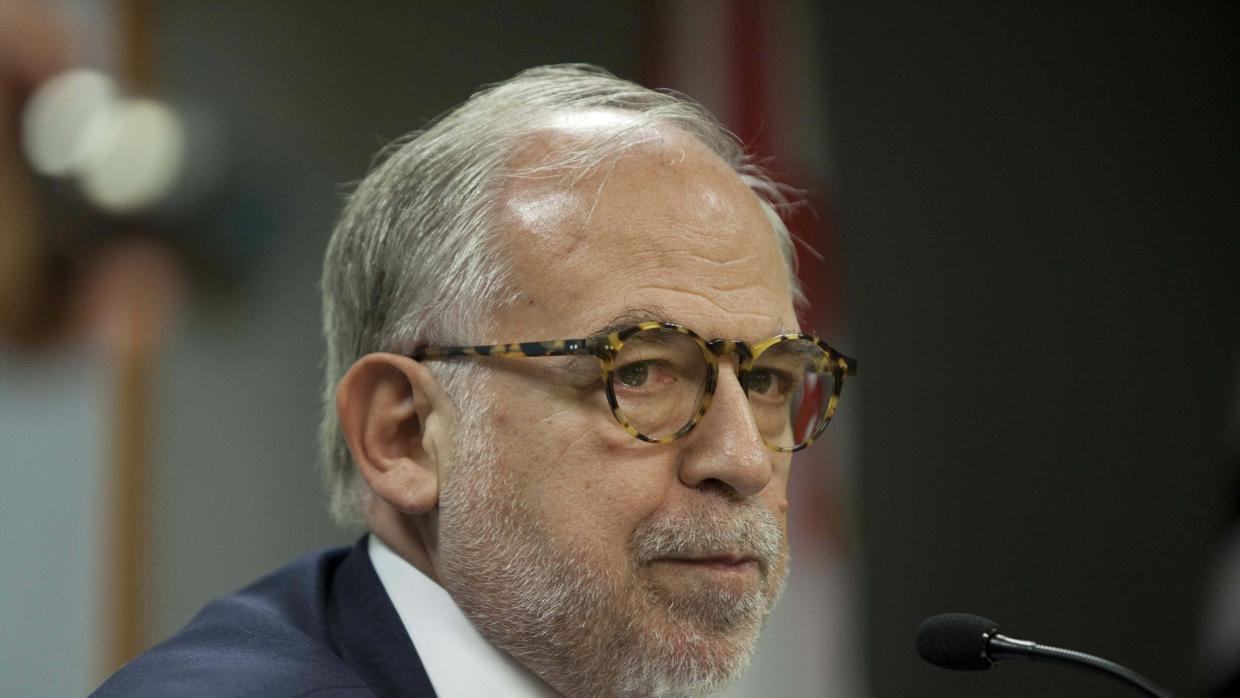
956, 641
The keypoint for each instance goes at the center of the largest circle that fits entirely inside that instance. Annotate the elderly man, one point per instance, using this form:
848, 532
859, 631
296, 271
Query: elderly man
564, 383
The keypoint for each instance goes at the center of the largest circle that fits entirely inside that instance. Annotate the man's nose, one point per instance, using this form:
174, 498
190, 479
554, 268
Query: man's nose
725, 448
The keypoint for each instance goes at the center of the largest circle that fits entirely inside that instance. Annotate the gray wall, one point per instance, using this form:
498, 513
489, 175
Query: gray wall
1038, 214
51, 432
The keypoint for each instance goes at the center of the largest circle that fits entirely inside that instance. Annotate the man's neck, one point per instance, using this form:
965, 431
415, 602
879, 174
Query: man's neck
406, 535
459, 660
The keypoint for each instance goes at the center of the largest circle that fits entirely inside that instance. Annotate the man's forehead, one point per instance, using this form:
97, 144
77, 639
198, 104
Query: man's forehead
669, 174
663, 225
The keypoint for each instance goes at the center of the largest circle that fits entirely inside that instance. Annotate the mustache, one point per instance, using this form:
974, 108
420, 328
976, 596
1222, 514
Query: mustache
709, 529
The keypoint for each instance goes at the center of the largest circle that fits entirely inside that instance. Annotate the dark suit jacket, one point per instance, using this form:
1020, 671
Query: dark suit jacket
323, 626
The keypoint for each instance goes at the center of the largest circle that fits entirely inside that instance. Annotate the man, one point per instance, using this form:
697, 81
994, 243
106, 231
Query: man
570, 485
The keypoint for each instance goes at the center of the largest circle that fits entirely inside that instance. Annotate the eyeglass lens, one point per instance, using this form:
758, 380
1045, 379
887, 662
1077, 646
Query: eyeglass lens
790, 388
659, 380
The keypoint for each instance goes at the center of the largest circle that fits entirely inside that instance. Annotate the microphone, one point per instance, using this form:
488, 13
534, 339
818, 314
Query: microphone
965, 642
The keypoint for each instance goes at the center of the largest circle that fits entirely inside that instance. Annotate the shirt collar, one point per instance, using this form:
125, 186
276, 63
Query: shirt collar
460, 661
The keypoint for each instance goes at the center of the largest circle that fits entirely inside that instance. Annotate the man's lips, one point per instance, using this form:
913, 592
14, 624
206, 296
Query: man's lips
727, 562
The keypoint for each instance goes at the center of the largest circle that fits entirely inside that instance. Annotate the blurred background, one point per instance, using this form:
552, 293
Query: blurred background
1025, 224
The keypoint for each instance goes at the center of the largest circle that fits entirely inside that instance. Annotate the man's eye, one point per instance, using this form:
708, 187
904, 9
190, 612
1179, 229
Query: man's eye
761, 382
768, 383
634, 375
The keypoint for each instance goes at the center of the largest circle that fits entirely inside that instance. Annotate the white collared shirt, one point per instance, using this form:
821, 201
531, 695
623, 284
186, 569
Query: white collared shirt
460, 662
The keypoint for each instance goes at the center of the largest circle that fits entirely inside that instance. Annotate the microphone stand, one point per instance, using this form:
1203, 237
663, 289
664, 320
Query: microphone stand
1000, 647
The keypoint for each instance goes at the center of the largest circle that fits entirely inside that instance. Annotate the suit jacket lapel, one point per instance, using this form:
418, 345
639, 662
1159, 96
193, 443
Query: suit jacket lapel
368, 633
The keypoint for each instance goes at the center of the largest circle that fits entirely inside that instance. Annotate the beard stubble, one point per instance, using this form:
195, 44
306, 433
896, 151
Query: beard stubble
592, 631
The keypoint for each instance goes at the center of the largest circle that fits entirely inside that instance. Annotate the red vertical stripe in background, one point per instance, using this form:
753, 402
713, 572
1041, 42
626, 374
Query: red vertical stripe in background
750, 101
755, 67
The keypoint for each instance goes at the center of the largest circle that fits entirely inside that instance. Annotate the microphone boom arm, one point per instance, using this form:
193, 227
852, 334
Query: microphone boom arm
1000, 648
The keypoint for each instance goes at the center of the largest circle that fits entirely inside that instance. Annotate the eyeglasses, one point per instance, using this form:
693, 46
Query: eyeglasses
660, 378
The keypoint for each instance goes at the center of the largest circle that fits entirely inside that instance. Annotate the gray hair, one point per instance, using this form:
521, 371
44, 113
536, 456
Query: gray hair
413, 257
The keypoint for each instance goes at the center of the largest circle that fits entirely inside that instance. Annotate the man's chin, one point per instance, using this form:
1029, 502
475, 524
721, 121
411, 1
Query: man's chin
689, 647
708, 602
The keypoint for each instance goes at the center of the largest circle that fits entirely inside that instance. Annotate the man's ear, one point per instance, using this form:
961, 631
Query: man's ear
398, 424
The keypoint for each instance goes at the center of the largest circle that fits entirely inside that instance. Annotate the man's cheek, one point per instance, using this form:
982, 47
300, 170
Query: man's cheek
595, 516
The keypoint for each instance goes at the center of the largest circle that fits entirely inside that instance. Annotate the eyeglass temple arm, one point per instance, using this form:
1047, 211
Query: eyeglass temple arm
588, 346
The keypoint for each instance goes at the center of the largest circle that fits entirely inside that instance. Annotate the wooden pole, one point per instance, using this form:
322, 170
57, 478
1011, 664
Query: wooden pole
135, 34
134, 361
136, 349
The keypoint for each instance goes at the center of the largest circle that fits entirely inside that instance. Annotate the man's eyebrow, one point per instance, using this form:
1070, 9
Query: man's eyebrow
634, 316
654, 313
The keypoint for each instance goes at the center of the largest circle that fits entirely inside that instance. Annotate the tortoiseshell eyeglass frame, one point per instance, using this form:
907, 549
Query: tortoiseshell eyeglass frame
605, 347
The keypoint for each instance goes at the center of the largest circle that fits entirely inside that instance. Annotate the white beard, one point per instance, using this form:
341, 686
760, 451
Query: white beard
588, 631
